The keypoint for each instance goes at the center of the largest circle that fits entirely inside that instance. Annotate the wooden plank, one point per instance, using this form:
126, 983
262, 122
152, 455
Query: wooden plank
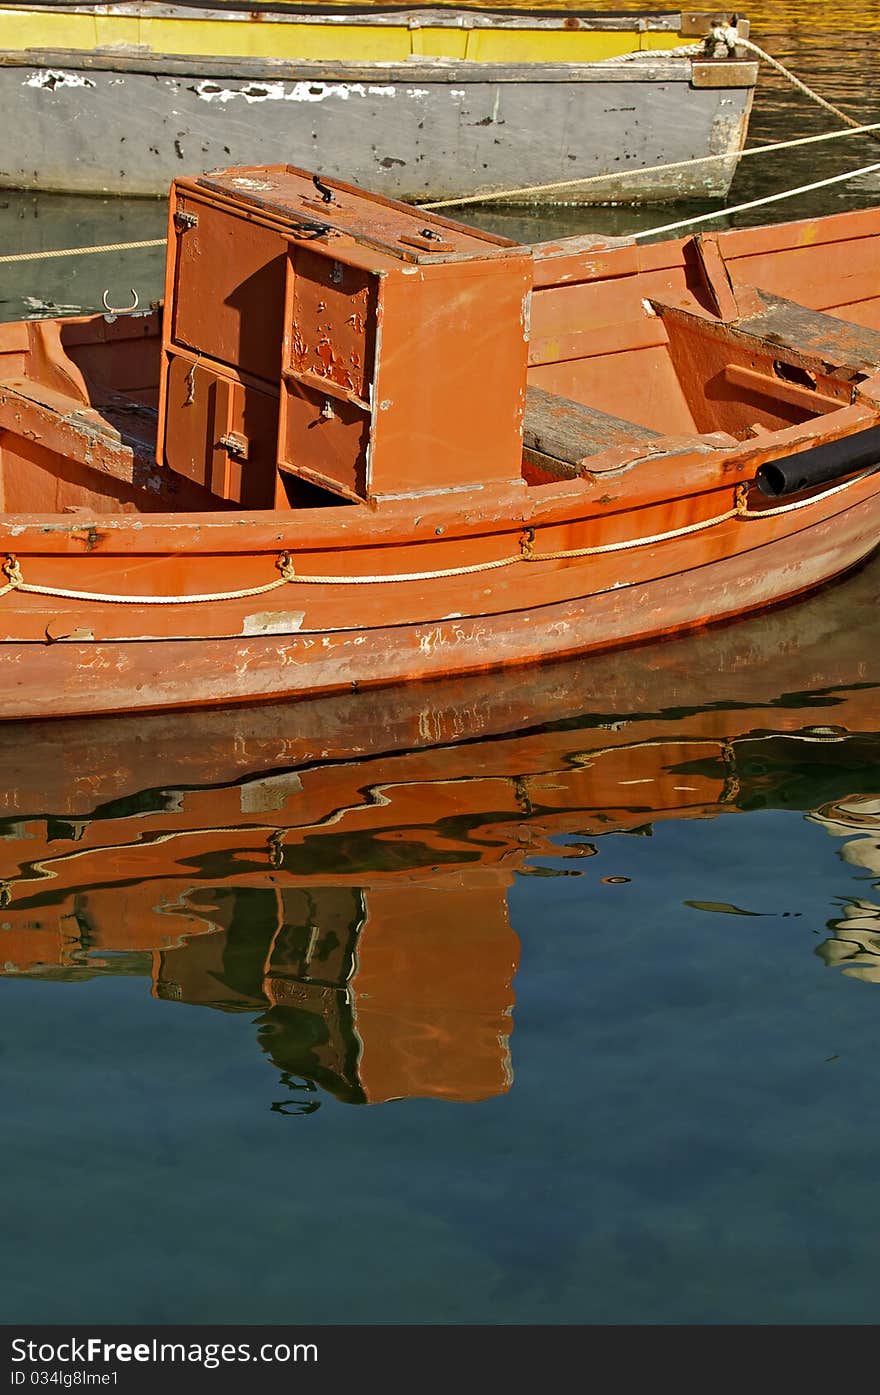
588, 258
442, 15
778, 390
804, 234
791, 325
118, 446
440, 71
808, 337
14, 338
647, 333
556, 429
721, 72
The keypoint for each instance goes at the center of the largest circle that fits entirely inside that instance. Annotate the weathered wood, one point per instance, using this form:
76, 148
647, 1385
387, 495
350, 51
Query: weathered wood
450, 15
823, 343
559, 434
653, 67
129, 123
116, 442
839, 343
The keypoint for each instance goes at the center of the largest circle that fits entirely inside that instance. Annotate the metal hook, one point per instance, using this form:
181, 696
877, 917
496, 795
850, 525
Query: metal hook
121, 309
325, 192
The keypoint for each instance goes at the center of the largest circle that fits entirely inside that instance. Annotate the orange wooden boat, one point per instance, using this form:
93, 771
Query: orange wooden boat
364, 444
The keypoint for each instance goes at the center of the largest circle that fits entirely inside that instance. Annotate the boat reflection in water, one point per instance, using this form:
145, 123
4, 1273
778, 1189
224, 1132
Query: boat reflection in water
339, 868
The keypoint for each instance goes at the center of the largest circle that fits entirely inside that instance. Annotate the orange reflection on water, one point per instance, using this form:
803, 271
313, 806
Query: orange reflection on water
339, 869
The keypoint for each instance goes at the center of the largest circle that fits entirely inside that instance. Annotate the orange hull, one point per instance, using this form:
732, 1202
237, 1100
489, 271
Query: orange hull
305, 533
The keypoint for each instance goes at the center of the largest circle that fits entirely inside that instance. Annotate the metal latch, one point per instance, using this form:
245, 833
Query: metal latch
235, 444
184, 221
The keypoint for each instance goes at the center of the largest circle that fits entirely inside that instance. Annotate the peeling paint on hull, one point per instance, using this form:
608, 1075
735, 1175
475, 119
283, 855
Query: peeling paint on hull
71, 679
127, 132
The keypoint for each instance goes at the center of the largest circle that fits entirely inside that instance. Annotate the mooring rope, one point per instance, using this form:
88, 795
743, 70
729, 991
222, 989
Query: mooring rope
871, 127
725, 34
867, 129
730, 36
82, 251
757, 203
11, 568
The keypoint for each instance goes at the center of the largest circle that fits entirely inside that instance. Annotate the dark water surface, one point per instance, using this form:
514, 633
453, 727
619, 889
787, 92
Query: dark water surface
538, 997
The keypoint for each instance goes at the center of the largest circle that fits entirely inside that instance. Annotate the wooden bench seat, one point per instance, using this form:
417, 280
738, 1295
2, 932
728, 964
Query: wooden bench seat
560, 434
838, 343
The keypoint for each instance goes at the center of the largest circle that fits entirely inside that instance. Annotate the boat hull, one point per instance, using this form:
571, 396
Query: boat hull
61, 679
415, 131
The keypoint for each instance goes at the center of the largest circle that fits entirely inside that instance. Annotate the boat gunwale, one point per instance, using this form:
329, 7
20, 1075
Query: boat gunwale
654, 67
449, 16
474, 513
443, 516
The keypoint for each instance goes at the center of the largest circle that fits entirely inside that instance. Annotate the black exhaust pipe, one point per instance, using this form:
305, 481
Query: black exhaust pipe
820, 464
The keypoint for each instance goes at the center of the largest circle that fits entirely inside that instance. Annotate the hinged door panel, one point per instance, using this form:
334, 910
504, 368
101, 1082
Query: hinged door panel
331, 330
221, 433
329, 348
324, 439
229, 288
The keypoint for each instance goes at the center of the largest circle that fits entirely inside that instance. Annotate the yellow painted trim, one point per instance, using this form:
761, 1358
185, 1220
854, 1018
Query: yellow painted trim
206, 38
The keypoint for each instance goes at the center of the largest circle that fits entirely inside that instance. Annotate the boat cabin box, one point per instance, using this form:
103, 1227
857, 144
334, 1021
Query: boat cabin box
322, 340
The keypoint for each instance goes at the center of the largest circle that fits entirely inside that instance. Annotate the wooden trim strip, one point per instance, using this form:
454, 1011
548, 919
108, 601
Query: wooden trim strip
440, 71
452, 15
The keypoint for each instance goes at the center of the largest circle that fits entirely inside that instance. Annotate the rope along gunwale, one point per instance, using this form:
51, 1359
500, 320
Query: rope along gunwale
289, 576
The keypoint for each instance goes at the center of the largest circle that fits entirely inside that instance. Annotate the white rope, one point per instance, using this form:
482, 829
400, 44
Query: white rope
728, 36
757, 203
722, 34
408, 576
81, 251
632, 542
63, 593
16, 581
651, 55
493, 195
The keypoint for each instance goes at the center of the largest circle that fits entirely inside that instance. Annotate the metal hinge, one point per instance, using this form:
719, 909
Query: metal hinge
236, 445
